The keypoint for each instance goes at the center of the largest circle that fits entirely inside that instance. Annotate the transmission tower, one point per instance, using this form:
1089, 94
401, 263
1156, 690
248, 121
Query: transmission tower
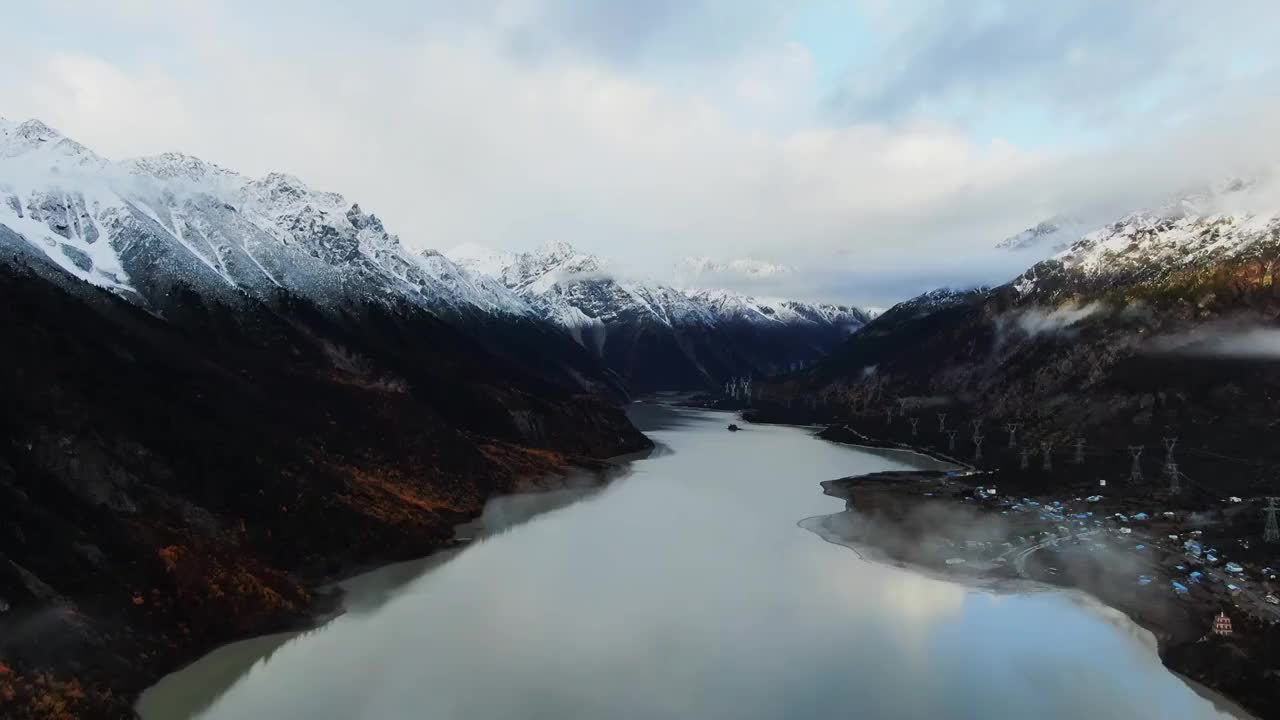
1171, 471
915, 422
1171, 465
1013, 433
942, 422
977, 425
888, 415
1078, 458
1271, 533
1047, 460
977, 446
951, 440
1024, 459
1135, 473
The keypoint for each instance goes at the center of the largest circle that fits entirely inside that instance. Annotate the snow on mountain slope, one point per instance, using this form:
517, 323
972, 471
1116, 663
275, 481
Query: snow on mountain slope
1170, 242
733, 306
570, 287
576, 289
1227, 223
481, 261
143, 226
42, 145
1052, 235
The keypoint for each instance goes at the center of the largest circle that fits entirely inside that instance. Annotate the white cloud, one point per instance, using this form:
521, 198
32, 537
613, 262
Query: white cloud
1057, 321
1257, 342
643, 157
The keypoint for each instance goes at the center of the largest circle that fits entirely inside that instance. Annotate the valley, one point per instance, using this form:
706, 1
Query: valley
224, 393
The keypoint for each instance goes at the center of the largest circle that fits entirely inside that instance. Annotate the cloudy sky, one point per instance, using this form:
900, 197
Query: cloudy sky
880, 147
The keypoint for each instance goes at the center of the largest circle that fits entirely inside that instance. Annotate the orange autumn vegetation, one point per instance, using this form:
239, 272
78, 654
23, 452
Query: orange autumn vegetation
524, 461
235, 589
45, 697
393, 497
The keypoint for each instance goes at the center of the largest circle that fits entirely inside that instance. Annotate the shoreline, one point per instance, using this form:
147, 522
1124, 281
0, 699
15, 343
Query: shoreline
1179, 643
869, 552
333, 592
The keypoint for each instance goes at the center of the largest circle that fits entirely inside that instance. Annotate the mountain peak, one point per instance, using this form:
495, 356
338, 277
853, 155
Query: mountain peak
1053, 235
284, 182
34, 129
175, 166
556, 250
33, 137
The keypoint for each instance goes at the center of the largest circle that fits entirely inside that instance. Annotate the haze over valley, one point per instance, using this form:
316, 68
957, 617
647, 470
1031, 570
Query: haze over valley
546, 358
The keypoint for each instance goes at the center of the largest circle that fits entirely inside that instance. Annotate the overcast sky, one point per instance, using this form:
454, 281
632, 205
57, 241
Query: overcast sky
878, 146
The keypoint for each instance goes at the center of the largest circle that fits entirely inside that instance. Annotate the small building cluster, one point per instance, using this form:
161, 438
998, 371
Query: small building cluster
1222, 625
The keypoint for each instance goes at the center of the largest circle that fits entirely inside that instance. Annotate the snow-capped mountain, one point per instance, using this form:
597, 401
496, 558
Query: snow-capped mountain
142, 226
656, 335
729, 306
1228, 225
546, 276
1240, 198
1160, 324
1052, 235
155, 230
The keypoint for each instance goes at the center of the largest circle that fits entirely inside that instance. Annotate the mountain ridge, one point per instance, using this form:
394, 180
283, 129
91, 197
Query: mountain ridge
214, 227
699, 337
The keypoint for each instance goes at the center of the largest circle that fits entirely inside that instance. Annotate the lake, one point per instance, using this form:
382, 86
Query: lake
685, 588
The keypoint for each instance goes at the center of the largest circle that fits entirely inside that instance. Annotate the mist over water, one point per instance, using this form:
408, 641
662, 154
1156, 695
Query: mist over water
687, 589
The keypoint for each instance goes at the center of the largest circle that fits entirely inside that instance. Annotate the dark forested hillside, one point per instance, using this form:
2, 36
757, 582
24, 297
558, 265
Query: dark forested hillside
167, 484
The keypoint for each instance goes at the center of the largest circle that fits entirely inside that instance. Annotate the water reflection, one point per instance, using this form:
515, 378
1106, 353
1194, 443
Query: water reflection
686, 589
190, 692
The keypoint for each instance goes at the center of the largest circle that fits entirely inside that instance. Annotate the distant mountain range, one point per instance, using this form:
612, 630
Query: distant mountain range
141, 228
656, 336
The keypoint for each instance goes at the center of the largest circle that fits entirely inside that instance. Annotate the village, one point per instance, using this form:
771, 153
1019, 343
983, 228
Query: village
1184, 555
1196, 579
1133, 539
